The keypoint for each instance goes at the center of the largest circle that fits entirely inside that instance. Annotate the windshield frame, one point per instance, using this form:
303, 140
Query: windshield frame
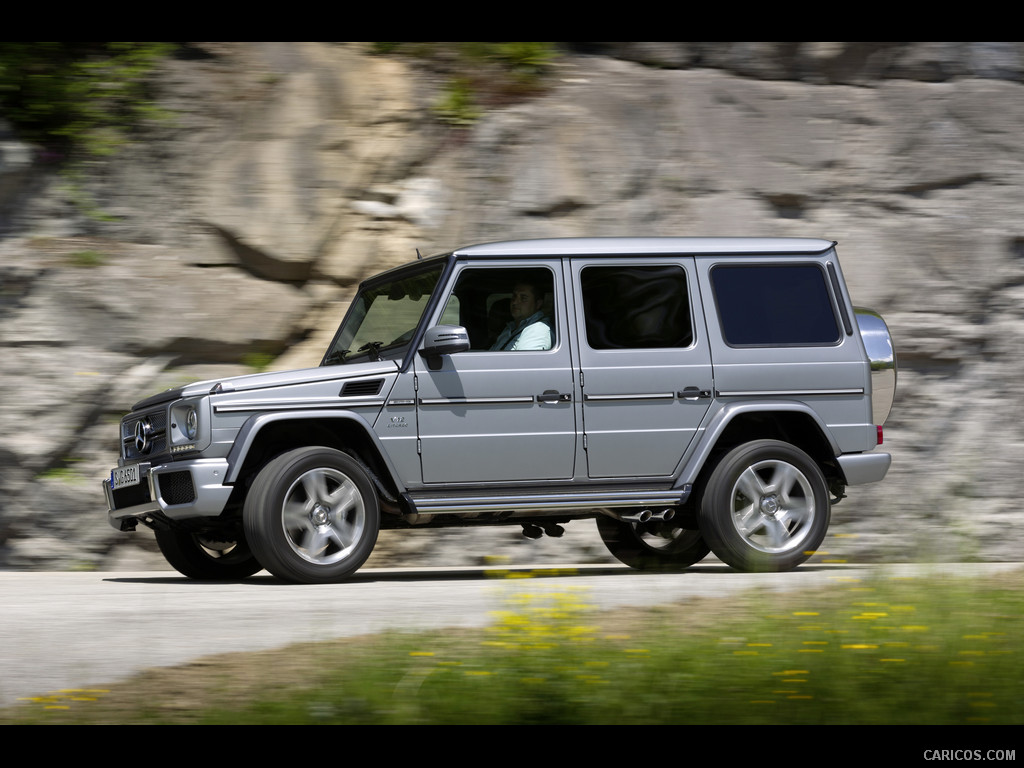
399, 353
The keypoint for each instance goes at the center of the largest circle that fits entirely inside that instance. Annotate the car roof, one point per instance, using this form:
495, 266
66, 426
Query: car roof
638, 246
622, 246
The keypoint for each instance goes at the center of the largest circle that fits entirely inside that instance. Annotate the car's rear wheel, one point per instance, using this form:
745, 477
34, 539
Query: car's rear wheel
312, 515
207, 557
765, 507
651, 546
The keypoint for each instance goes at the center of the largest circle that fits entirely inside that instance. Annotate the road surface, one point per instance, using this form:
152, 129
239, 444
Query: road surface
61, 630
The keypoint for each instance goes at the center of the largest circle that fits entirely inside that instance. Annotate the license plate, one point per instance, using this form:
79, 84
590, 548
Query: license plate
124, 477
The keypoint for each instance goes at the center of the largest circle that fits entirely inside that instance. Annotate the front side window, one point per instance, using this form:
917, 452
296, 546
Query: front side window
774, 305
636, 307
504, 309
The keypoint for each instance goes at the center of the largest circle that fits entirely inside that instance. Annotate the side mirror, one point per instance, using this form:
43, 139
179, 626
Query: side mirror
443, 340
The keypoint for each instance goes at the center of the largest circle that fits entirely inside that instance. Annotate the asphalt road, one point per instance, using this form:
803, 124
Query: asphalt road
76, 630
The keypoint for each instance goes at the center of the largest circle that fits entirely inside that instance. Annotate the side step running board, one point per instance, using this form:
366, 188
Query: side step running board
456, 504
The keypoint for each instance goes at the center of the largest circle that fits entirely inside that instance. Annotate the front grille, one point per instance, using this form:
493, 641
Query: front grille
176, 487
155, 434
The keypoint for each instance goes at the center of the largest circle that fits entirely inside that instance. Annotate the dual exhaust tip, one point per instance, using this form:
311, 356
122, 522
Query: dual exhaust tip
646, 515
553, 530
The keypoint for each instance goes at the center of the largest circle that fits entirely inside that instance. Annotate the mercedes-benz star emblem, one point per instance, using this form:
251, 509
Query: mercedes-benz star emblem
143, 429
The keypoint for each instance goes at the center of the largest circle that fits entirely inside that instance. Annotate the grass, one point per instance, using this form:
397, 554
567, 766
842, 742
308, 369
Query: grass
925, 651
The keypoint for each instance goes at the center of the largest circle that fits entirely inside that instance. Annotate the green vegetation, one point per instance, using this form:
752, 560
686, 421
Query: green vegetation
64, 472
78, 99
933, 650
479, 75
87, 258
524, 61
260, 361
82, 99
457, 105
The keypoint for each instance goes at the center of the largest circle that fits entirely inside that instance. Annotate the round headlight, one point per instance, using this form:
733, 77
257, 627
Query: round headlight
191, 423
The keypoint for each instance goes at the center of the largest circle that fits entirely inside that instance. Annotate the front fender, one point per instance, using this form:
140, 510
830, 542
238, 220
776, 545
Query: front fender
251, 429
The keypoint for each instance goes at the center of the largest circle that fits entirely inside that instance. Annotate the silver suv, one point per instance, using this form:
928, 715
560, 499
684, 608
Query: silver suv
689, 394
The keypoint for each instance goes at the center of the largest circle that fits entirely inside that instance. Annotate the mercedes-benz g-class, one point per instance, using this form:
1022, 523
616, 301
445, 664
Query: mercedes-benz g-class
689, 394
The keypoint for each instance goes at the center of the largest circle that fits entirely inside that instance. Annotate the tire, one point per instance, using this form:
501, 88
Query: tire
312, 516
765, 507
651, 546
205, 557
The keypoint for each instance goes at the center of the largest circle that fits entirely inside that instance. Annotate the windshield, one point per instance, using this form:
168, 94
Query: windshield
384, 317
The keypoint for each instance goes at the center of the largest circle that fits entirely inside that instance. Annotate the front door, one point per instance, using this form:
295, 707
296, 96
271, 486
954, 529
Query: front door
504, 411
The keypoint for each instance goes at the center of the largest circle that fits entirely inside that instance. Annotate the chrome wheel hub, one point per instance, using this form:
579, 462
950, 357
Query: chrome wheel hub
770, 505
773, 507
319, 515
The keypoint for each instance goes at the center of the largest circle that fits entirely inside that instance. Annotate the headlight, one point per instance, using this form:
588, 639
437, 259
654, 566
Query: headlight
186, 432
191, 423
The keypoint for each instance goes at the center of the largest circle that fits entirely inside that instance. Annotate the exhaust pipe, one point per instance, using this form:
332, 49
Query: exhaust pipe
532, 532
553, 530
646, 515
637, 517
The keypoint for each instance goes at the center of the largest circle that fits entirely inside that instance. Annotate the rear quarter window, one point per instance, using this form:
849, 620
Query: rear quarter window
774, 305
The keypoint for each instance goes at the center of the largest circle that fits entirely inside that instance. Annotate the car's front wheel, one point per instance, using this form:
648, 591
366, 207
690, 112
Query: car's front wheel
765, 507
312, 515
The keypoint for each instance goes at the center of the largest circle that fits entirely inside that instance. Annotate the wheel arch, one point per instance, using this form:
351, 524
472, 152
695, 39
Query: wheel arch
787, 421
266, 436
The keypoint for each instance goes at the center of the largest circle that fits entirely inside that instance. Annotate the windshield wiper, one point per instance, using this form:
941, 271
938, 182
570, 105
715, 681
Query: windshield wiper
337, 356
372, 348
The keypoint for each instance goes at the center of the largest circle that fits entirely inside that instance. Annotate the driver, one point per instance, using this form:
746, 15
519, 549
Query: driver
529, 328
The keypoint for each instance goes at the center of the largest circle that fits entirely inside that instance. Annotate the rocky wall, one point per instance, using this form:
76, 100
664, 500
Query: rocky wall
232, 237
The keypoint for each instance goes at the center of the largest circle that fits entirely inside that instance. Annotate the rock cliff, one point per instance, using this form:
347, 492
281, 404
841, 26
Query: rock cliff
232, 235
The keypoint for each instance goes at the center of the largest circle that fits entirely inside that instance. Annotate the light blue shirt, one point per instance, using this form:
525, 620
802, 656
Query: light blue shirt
532, 333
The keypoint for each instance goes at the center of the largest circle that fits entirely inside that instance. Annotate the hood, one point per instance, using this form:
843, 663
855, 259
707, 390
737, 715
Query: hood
253, 381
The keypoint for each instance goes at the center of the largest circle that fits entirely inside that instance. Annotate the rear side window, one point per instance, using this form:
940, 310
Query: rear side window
642, 307
785, 305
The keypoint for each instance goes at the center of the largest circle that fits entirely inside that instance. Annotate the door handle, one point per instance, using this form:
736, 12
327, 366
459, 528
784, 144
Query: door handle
694, 393
554, 396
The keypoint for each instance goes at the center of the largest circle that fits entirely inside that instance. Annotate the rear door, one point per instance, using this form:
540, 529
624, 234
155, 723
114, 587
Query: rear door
645, 364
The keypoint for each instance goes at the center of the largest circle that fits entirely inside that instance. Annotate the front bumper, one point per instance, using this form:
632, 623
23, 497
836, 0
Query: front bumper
176, 490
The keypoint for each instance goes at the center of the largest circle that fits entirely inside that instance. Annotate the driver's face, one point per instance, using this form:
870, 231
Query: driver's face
524, 303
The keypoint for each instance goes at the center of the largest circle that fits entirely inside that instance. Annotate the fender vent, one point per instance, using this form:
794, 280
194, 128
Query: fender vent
361, 388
